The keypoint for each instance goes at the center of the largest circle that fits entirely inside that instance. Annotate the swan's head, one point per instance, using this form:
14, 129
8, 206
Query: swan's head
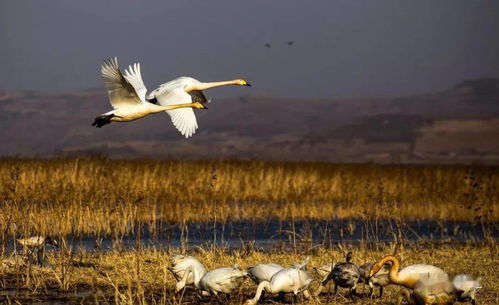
242, 82
249, 302
199, 105
179, 286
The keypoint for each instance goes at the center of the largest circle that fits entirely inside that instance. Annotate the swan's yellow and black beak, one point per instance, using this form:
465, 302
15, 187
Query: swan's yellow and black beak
204, 107
244, 83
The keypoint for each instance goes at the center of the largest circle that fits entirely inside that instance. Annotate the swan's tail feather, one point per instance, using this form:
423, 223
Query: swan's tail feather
102, 120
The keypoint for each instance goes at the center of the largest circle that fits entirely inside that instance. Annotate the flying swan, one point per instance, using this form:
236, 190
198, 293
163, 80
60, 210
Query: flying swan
127, 95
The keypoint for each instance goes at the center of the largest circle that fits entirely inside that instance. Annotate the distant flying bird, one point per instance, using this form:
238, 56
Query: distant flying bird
267, 45
185, 89
290, 43
127, 95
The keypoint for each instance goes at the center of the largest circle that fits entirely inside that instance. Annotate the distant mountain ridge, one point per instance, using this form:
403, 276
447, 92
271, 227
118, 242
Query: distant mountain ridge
458, 125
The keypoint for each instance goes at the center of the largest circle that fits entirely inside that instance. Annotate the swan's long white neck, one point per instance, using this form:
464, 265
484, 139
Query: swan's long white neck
205, 86
160, 108
195, 273
263, 285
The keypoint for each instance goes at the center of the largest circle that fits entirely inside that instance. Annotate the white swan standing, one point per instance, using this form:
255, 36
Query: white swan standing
127, 94
263, 272
181, 263
221, 280
186, 90
292, 279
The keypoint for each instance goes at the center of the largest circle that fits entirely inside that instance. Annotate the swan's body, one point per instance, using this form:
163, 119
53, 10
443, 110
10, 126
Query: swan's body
221, 280
292, 279
410, 276
35, 247
127, 94
263, 272
380, 279
37, 241
181, 263
462, 289
186, 90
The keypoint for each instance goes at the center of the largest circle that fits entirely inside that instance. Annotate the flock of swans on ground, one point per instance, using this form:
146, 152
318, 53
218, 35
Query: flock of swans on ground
128, 96
421, 284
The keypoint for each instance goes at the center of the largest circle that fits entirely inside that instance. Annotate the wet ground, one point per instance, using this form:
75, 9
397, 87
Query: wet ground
266, 235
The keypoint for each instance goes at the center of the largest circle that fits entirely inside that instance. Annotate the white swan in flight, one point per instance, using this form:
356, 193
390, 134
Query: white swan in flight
221, 280
186, 90
127, 95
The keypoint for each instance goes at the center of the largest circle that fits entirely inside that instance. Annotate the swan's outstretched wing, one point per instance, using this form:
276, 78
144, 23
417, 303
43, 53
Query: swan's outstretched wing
184, 120
134, 77
121, 93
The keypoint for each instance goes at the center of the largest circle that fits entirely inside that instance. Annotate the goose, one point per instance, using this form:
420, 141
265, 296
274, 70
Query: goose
462, 289
380, 279
292, 279
412, 275
127, 94
263, 272
343, 274
186, 90
221, 280
180, 264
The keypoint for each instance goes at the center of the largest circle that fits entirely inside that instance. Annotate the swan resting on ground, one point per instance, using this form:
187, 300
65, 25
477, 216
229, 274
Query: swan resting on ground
127, 94
221, 280
292, 279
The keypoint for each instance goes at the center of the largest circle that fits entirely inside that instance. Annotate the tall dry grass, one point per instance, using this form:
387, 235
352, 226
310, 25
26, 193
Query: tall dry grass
106, 197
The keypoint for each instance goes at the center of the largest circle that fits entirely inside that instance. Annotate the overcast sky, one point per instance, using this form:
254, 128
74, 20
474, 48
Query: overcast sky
343, 48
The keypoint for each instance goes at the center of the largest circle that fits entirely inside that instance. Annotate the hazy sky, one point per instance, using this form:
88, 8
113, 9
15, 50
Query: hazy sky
343, 48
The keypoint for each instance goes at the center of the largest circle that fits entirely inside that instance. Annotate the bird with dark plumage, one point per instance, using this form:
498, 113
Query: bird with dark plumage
344, 274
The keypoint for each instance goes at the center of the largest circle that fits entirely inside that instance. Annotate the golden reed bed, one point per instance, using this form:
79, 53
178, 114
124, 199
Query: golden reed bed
101, 196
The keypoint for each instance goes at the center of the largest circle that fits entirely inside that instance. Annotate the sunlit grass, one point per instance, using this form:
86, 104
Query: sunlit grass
104, 197
141, 277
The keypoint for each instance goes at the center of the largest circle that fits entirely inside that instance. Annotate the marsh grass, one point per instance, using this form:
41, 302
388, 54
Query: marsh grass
141, 277
111, 197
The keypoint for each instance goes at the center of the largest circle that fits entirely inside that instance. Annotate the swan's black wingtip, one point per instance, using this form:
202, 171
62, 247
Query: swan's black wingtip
102, 120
